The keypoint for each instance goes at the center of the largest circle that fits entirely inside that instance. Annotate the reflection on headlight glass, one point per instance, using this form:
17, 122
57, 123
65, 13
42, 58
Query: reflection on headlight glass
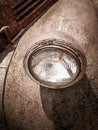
54, 66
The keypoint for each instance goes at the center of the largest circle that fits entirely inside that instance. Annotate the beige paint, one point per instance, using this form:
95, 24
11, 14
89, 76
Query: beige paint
29, 106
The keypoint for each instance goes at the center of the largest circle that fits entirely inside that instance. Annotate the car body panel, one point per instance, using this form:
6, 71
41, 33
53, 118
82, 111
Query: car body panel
28, 105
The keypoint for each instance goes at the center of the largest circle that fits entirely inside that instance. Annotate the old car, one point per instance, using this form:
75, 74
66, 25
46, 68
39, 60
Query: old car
51, 82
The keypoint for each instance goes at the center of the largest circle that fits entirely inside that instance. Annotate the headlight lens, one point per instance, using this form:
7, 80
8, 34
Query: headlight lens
53, 64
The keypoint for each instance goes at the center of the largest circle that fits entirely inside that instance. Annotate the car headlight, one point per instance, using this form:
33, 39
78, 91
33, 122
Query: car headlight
55, 64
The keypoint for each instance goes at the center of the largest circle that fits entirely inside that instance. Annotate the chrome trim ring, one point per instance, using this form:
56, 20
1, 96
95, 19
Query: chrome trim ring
67, 48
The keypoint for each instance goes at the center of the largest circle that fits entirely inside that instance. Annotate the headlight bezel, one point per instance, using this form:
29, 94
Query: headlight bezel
77, 54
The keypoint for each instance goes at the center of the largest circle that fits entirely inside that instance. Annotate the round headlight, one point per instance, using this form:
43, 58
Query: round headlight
55, 64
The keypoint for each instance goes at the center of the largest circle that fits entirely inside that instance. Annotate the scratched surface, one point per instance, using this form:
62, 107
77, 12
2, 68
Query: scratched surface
33, 107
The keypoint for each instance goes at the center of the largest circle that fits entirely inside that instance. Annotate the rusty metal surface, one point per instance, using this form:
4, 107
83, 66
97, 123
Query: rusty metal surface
5, 58
4, 37
95, 2
17, 22
29, 106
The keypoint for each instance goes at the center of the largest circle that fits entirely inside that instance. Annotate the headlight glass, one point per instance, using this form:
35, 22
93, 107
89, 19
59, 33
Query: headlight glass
53, 65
